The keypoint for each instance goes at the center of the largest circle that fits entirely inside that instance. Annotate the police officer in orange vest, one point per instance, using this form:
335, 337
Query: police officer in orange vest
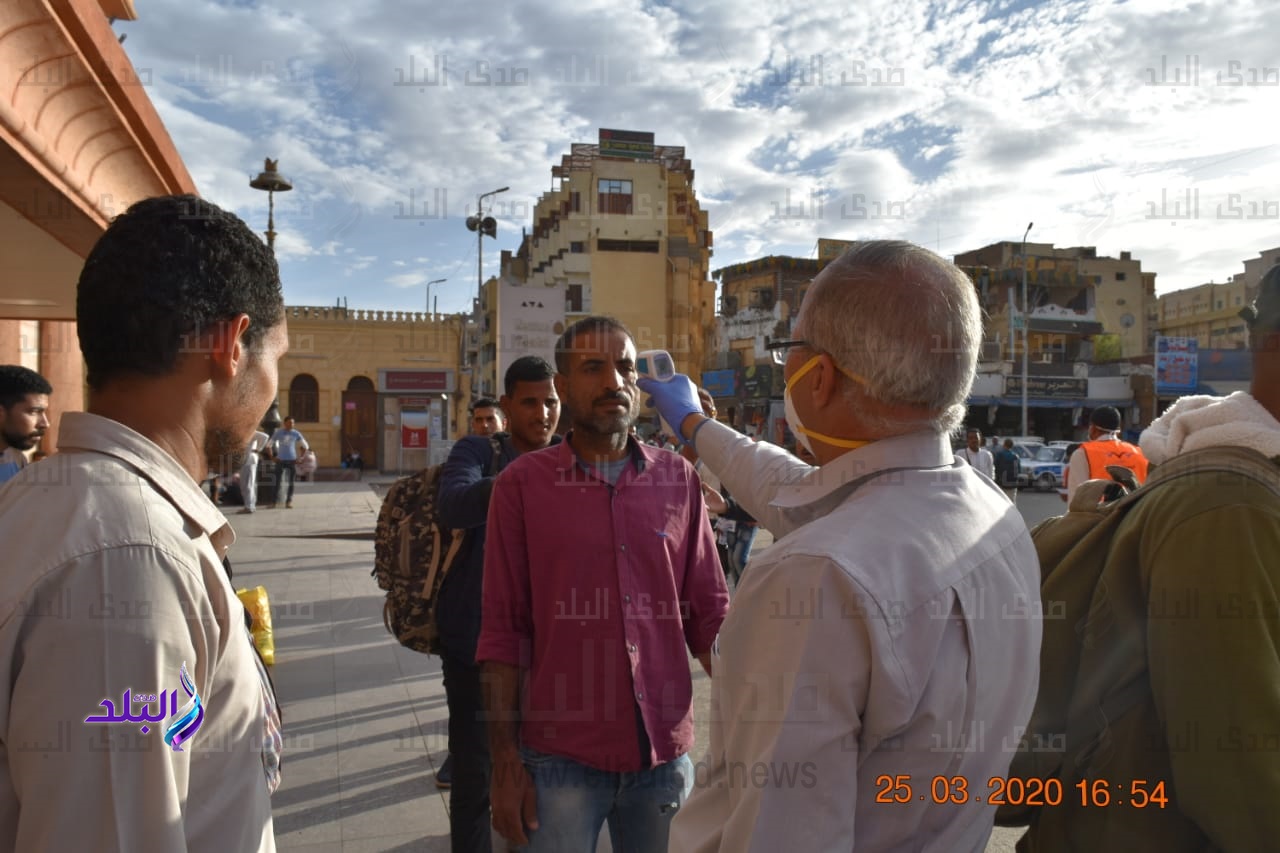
1104, 448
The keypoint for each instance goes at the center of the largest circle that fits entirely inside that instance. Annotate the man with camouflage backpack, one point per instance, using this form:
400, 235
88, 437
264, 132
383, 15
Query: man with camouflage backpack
1172, 707
532, 410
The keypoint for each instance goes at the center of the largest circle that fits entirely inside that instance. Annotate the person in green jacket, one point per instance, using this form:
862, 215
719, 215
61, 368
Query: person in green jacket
1195, 765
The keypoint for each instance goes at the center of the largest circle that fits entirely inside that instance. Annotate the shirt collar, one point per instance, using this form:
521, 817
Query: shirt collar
914, 450
641, 454
94, 433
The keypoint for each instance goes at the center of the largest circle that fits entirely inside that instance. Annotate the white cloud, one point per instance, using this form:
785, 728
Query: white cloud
1041, 113
409, 279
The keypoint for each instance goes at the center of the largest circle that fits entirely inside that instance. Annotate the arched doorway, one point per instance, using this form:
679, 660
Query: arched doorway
360, 420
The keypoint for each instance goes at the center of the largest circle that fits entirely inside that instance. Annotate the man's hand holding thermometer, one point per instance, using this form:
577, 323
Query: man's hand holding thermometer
673, 394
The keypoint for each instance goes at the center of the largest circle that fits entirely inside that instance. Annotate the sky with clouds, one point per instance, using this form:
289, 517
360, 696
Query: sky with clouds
1122, 125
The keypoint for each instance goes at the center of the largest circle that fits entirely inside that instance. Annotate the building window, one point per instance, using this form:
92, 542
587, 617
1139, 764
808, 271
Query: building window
614, 196
575, 202
304, 399
573, 299
1119, 276
577, 247
1218, 305
682, 204
646, 246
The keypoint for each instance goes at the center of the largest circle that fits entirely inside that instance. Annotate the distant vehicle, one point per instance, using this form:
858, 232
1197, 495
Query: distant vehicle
1061, 443
1045, 471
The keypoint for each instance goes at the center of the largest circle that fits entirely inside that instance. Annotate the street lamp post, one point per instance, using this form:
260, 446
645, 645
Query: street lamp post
435, 281
271, 182
482, 225
1026, 328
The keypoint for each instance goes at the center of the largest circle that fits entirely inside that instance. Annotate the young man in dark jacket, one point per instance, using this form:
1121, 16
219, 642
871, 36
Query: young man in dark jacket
532, 409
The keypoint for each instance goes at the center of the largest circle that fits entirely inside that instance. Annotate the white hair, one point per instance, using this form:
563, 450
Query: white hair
908, 322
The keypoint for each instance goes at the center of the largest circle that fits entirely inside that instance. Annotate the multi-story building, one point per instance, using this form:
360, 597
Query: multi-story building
384, 383
758, 303
1084, 309
518, 319
759, 300
1255, 269
1210, 313
621, 231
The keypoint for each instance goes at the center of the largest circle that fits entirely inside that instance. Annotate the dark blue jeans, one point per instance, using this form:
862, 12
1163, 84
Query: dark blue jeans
283, 467
469, 815
574, 801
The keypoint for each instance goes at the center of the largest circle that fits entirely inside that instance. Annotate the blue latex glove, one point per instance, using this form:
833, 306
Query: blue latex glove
675, 399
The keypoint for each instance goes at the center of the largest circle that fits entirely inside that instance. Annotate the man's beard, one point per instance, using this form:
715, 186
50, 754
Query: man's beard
618, 423
23, 442
225, 452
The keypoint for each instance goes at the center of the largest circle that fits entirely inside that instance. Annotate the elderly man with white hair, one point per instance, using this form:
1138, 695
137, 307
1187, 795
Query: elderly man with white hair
878, 660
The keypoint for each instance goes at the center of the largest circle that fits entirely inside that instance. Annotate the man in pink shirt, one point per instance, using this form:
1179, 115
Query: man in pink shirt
600, 577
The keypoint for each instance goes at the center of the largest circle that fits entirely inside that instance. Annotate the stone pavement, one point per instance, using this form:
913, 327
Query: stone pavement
364, 719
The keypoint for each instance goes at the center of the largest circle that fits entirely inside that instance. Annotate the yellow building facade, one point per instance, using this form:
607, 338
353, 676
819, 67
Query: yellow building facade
381, 383
1209, 313
622, 232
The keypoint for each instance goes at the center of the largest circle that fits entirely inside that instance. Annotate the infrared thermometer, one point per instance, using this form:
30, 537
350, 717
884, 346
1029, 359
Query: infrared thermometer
658, 365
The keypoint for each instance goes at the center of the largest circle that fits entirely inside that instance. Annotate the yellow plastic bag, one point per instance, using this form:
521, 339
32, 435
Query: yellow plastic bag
258, 605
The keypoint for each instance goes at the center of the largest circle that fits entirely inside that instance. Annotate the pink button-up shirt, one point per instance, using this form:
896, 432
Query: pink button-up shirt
596, 591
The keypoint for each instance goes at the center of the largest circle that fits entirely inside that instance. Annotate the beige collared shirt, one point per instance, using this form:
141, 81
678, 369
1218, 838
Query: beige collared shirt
891, 635
112, 581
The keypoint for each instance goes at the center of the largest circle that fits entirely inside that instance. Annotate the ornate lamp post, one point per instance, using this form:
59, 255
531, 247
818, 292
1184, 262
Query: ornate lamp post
272, 182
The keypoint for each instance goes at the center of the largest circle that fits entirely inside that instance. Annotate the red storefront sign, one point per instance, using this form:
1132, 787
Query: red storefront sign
417, 380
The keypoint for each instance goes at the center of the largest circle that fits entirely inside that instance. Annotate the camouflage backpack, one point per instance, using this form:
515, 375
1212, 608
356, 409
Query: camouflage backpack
412, 554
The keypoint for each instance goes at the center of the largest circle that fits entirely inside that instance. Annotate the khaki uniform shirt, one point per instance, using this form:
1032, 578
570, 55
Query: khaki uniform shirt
113, 581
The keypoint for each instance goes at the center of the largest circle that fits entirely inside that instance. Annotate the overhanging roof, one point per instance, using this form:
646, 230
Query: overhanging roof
80, 141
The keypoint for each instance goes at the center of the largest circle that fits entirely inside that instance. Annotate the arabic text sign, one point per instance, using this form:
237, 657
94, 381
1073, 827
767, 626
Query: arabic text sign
632, 144
1176, 365
1055, 387
720, 383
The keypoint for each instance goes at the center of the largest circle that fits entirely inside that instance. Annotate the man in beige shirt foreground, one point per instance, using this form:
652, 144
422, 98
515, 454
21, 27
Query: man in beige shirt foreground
134, 712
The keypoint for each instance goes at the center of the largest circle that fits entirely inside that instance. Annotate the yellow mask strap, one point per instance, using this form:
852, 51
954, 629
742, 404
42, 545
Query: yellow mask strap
808, 365
848, 443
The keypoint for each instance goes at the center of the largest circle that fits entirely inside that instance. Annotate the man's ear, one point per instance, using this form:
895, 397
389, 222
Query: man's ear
559, 382
228, 351
825, 380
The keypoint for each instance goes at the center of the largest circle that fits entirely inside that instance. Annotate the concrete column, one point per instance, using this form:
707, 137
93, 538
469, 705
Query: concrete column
60, 362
